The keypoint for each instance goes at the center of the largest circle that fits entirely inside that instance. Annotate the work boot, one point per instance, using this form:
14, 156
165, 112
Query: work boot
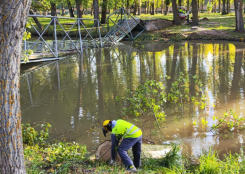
132, 169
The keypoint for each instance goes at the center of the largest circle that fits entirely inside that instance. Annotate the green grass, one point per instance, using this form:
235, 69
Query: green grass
73, 158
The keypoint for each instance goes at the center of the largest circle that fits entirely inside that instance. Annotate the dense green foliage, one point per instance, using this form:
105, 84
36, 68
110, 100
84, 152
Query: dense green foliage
147, 98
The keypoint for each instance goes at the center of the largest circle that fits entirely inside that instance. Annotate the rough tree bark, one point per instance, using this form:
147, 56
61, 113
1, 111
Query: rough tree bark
13, 17
96, 11
104, 10
36, 20
70, 8
194, 13
239, 15
175, 13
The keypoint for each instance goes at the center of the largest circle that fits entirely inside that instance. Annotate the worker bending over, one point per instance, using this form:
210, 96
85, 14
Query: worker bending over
131, 137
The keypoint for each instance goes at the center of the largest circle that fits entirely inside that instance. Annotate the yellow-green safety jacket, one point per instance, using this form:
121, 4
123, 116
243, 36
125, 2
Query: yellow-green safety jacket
124, 129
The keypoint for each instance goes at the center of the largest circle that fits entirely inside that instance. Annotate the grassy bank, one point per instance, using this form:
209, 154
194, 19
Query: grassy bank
47, 155
73, 158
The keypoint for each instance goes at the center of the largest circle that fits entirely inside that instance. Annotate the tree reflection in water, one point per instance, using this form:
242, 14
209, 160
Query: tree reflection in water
77, 93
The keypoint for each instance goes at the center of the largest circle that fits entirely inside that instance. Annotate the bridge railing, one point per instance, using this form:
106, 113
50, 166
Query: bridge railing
84, 39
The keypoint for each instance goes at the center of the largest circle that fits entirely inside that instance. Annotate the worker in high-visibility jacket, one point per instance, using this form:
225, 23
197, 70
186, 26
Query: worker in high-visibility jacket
131, 136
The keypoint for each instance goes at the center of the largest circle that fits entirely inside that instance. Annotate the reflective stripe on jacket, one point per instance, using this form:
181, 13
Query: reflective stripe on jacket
124, 129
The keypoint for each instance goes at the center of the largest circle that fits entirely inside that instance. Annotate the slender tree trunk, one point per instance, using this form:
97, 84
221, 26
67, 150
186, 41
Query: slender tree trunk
103, 13
166, 12
175, 13
152, 7
53, 9
227, 7
70, 8
239, 15
223, 9
92, 10
62, 10
202, 5
135, 7
128, 9
147, 2
13, 17
188, 5
96, 11
162, 7
79, 8
215, 6
219, 6
36, 20
179, 2
139, 8
194, 13
146, 9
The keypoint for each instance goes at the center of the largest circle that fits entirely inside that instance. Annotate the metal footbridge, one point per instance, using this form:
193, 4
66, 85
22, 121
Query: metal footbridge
119, 25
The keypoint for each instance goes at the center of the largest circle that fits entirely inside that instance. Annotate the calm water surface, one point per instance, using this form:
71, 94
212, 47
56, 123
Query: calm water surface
77, 93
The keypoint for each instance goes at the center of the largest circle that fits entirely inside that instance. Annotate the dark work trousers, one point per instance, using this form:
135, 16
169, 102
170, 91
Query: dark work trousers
125, 145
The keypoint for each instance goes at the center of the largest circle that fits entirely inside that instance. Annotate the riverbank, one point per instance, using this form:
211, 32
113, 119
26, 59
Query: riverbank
73, 158
209, 28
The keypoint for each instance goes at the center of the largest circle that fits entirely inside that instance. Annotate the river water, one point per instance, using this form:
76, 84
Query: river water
77, 93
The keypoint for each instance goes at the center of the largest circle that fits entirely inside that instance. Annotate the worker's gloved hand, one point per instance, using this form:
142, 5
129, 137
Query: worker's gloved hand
112, 162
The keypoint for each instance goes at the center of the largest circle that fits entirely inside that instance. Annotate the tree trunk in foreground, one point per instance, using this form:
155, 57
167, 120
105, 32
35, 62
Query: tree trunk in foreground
13, 17
194, 13
175, 13
239, 15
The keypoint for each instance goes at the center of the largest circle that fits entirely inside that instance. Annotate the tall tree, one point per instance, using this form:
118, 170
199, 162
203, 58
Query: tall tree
194, 13
96, 11
175, 13
53, 8
223, 9
162, 7
135, 7
70, 8
104, 10
139, 7
219, 5
153, 7
239, 15
13, 17
79, 8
